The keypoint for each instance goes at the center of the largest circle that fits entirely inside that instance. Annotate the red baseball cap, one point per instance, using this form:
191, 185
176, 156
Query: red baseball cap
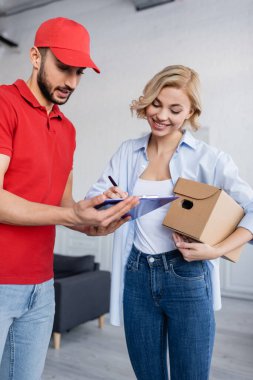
68, 40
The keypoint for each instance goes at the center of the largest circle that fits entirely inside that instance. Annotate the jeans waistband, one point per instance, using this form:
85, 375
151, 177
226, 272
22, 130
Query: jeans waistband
157, 259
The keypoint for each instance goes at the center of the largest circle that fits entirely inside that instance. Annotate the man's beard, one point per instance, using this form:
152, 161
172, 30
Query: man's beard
47, 89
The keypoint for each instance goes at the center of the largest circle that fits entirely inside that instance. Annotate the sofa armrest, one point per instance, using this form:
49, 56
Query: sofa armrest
81, 298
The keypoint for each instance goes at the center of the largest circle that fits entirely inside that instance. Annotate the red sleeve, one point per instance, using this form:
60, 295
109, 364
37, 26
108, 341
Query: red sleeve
7, 123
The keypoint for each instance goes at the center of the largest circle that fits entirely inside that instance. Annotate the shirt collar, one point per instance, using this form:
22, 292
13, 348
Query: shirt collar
142, 142
27, 94
187, 139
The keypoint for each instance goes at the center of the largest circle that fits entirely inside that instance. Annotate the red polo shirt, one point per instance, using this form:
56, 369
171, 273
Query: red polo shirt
41, 148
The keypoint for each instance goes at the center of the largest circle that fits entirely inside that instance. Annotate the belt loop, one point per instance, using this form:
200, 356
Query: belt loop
165, 263
138, 259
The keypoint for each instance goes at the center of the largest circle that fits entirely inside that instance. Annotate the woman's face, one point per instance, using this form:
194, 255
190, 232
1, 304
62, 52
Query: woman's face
167, 113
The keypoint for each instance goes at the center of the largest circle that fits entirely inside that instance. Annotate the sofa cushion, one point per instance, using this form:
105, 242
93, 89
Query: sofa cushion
65, 266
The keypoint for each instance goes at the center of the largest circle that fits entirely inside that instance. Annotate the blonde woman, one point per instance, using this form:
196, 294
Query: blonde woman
169, 288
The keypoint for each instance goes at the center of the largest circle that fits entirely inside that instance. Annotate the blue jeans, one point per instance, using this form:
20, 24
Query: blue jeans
26, 321
167, 299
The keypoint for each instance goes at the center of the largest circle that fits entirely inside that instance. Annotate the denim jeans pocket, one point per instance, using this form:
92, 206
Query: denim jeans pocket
189, 271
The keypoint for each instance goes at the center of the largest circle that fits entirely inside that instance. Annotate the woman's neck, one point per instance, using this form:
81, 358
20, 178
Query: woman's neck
165, 144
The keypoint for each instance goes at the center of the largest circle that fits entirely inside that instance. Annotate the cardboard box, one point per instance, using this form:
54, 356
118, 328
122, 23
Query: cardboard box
204, 213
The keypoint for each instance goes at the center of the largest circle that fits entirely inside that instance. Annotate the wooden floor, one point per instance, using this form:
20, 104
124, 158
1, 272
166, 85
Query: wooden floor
89, 353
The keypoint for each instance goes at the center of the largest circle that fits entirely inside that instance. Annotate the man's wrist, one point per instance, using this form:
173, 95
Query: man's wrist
70, 218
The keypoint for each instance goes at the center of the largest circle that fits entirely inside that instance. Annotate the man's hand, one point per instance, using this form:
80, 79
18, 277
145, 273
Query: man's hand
85, 213
102, 231
193, 251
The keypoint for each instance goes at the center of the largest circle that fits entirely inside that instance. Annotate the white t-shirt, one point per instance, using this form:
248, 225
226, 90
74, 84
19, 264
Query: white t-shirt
150, 235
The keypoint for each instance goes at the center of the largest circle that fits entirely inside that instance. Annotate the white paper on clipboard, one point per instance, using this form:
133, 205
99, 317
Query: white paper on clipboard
147, 204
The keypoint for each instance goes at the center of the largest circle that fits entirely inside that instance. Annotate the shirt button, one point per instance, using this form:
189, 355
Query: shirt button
151, 259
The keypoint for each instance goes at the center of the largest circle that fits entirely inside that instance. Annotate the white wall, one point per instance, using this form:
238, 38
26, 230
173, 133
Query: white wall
214, 37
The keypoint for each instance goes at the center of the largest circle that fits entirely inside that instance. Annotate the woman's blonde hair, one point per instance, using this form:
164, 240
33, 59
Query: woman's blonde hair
176, 76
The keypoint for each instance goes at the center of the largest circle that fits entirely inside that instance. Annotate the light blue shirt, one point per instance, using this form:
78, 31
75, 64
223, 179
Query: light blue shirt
193, 159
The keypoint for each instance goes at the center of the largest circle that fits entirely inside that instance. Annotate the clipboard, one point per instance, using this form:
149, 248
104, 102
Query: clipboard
147, 204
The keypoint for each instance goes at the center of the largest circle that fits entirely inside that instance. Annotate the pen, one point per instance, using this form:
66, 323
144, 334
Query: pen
112, 181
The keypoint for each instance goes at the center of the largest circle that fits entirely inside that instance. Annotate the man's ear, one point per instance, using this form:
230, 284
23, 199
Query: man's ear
35, 57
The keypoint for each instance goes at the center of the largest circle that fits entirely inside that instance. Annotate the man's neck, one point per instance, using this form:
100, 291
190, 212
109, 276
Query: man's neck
33, 86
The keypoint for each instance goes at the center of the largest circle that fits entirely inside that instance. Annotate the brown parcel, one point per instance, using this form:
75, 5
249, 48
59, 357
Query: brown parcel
204, 213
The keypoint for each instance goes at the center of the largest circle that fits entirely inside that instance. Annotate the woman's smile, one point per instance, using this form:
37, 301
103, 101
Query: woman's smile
160, 126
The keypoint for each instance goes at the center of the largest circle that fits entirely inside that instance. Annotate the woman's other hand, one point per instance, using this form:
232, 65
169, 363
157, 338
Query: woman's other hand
194, 251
